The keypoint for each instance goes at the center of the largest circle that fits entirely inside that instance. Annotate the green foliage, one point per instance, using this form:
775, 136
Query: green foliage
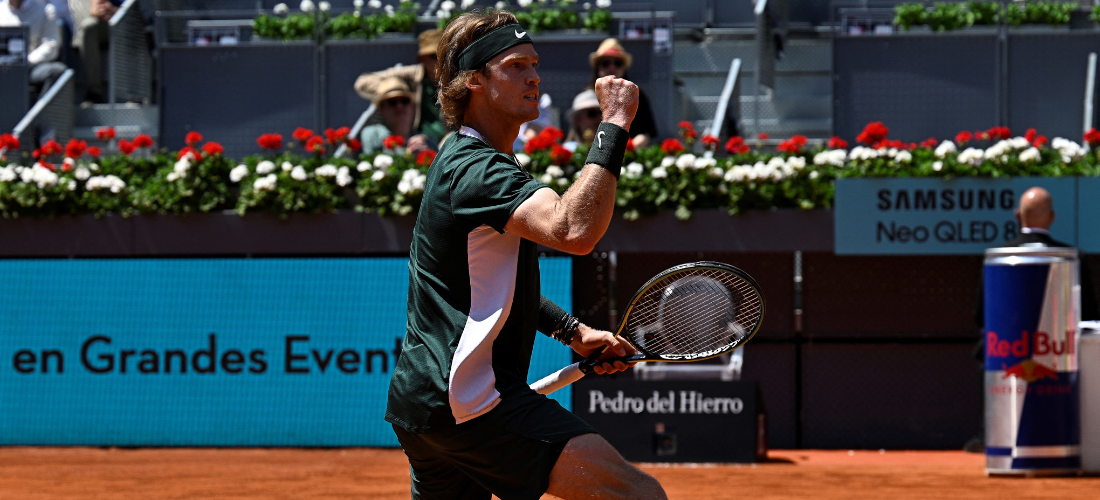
354, 25
598, 20
985, 13
194, 185
550, 16
949, 16
952, 16
1095, 15
907, 15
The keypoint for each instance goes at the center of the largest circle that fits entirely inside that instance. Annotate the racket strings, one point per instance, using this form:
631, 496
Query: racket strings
694, 313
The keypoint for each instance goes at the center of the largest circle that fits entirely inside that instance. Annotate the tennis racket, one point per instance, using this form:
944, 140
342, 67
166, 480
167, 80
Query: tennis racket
690, 312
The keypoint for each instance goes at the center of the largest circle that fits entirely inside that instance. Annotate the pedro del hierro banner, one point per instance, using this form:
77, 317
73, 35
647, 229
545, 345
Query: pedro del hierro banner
941, 217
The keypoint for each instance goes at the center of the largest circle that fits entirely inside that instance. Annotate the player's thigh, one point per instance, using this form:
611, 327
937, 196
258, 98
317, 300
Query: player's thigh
589, 467
435, 477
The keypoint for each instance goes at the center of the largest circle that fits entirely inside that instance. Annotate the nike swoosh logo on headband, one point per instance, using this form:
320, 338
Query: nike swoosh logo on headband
599, 136
520, 35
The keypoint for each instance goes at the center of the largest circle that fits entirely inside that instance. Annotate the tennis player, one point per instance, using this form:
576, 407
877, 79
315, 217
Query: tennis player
459, 400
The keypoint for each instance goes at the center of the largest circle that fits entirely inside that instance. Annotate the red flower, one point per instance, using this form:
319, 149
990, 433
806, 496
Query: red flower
1039, 141
51, 147
630, 144
8, 141
93, 151
792, 145
890, 143
393, 142
75, 148
186, 151
191, 139
671, 146
979, 135
125, 147
874, 132
686, 125
425, 157
212, 148
687, 131
143, 141
302, 134
355, 144
47, 165
710, 141
316, 145
1092, 137
736, 145
762, 136
560, 156
105, 133
554, 133
337, 136
999, 133
270, 141
929, 143
963, 137
837, 143
1030, 135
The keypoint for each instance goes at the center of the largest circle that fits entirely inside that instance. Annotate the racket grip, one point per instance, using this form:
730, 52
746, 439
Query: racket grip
558, 379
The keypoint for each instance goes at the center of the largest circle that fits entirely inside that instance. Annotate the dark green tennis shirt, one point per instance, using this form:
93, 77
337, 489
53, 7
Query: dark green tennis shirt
473, 291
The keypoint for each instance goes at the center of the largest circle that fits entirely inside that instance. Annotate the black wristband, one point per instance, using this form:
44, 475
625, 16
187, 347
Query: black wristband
608, 148
566, 330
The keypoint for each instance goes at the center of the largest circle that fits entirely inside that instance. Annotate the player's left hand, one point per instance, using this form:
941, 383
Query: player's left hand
589, 340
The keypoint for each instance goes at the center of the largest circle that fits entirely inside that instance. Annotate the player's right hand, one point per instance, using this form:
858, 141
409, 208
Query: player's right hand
618, 100
589, 340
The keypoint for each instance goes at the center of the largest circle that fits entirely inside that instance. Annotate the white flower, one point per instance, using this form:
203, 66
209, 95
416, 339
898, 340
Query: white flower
501, 5
172, 177
71, 186
587, 5
1029, 155
181, 167
998, 152
546, 178
363, 166
703, 162
93, 167
343, 177
286, 166
863, 153
281, 8
7, 174
796, 162
383, 161
239, 172
634, 169
563, 182
378, 175
716, 172
1019, 143
523, 159
1069, 150
324, 6
523, 3
265, 167
82, 173
440, 13
937, 166
555, 171
375, 4
603, 4
834, 157
389, 10
358, 4
412, 182
971, 156
326, 171
447, 5
265, 183
659, 173
68, 162
814, 175
298, 173
903, 157
466, 4
306, 6
668, 161
945, 148
109, 182
685, 161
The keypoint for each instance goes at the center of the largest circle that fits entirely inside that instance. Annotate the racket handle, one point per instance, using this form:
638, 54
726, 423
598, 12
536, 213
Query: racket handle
558, 379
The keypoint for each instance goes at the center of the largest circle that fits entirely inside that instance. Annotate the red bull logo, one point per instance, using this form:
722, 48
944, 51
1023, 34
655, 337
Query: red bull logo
1029, 371
1040, 344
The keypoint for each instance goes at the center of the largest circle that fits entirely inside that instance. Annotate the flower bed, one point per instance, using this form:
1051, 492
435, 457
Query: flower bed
679, 175
952, 16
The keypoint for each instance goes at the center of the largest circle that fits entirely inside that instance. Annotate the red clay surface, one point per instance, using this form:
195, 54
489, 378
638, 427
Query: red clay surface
91, 473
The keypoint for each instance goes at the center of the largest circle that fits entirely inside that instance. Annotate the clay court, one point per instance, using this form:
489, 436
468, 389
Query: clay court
94, 473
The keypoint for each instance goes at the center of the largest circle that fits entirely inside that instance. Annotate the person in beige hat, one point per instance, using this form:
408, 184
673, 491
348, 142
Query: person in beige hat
421, 80
611, 59
584, 118
394, 100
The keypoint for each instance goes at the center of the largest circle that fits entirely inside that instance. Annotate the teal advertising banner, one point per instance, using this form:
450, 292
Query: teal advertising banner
212, 352
898, 216
1088, 214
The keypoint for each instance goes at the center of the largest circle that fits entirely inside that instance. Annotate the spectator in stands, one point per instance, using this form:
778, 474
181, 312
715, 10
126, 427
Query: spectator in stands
421, 79
612, 59
584, 118
395, 105
90, 37
44, 45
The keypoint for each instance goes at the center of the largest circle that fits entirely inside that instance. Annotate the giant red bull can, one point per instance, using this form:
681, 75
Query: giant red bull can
1032, 422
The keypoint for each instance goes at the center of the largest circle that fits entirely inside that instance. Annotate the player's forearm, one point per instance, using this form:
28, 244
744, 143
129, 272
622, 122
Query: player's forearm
585, 210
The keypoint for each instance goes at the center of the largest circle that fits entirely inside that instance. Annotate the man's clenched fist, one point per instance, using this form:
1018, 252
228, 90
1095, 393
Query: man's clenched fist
618, 100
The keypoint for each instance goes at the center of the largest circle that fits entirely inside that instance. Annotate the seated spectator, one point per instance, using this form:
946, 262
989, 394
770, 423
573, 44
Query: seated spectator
612, 59
44, 45
421, 79
90, 37
584, 118
395, 106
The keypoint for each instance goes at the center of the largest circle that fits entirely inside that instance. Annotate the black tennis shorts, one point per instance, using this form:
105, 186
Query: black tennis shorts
508, 452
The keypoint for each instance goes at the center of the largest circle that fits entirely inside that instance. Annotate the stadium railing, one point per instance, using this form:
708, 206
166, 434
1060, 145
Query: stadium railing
53, 115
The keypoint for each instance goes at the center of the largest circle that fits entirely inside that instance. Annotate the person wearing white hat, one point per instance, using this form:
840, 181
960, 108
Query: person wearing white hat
611, 59
584, 118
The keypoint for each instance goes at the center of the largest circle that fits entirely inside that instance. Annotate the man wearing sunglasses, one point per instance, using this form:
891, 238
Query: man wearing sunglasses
611, 59
421, 80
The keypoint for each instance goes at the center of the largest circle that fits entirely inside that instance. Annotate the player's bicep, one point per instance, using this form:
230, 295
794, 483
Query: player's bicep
535, 218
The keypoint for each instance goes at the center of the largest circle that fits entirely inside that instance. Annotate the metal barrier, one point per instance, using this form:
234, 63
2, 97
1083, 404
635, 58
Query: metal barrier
131, 64
358, 127
54, 110
732, 90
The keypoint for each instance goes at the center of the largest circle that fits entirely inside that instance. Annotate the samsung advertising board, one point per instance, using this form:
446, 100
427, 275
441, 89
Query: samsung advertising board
212, 352
941, 217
